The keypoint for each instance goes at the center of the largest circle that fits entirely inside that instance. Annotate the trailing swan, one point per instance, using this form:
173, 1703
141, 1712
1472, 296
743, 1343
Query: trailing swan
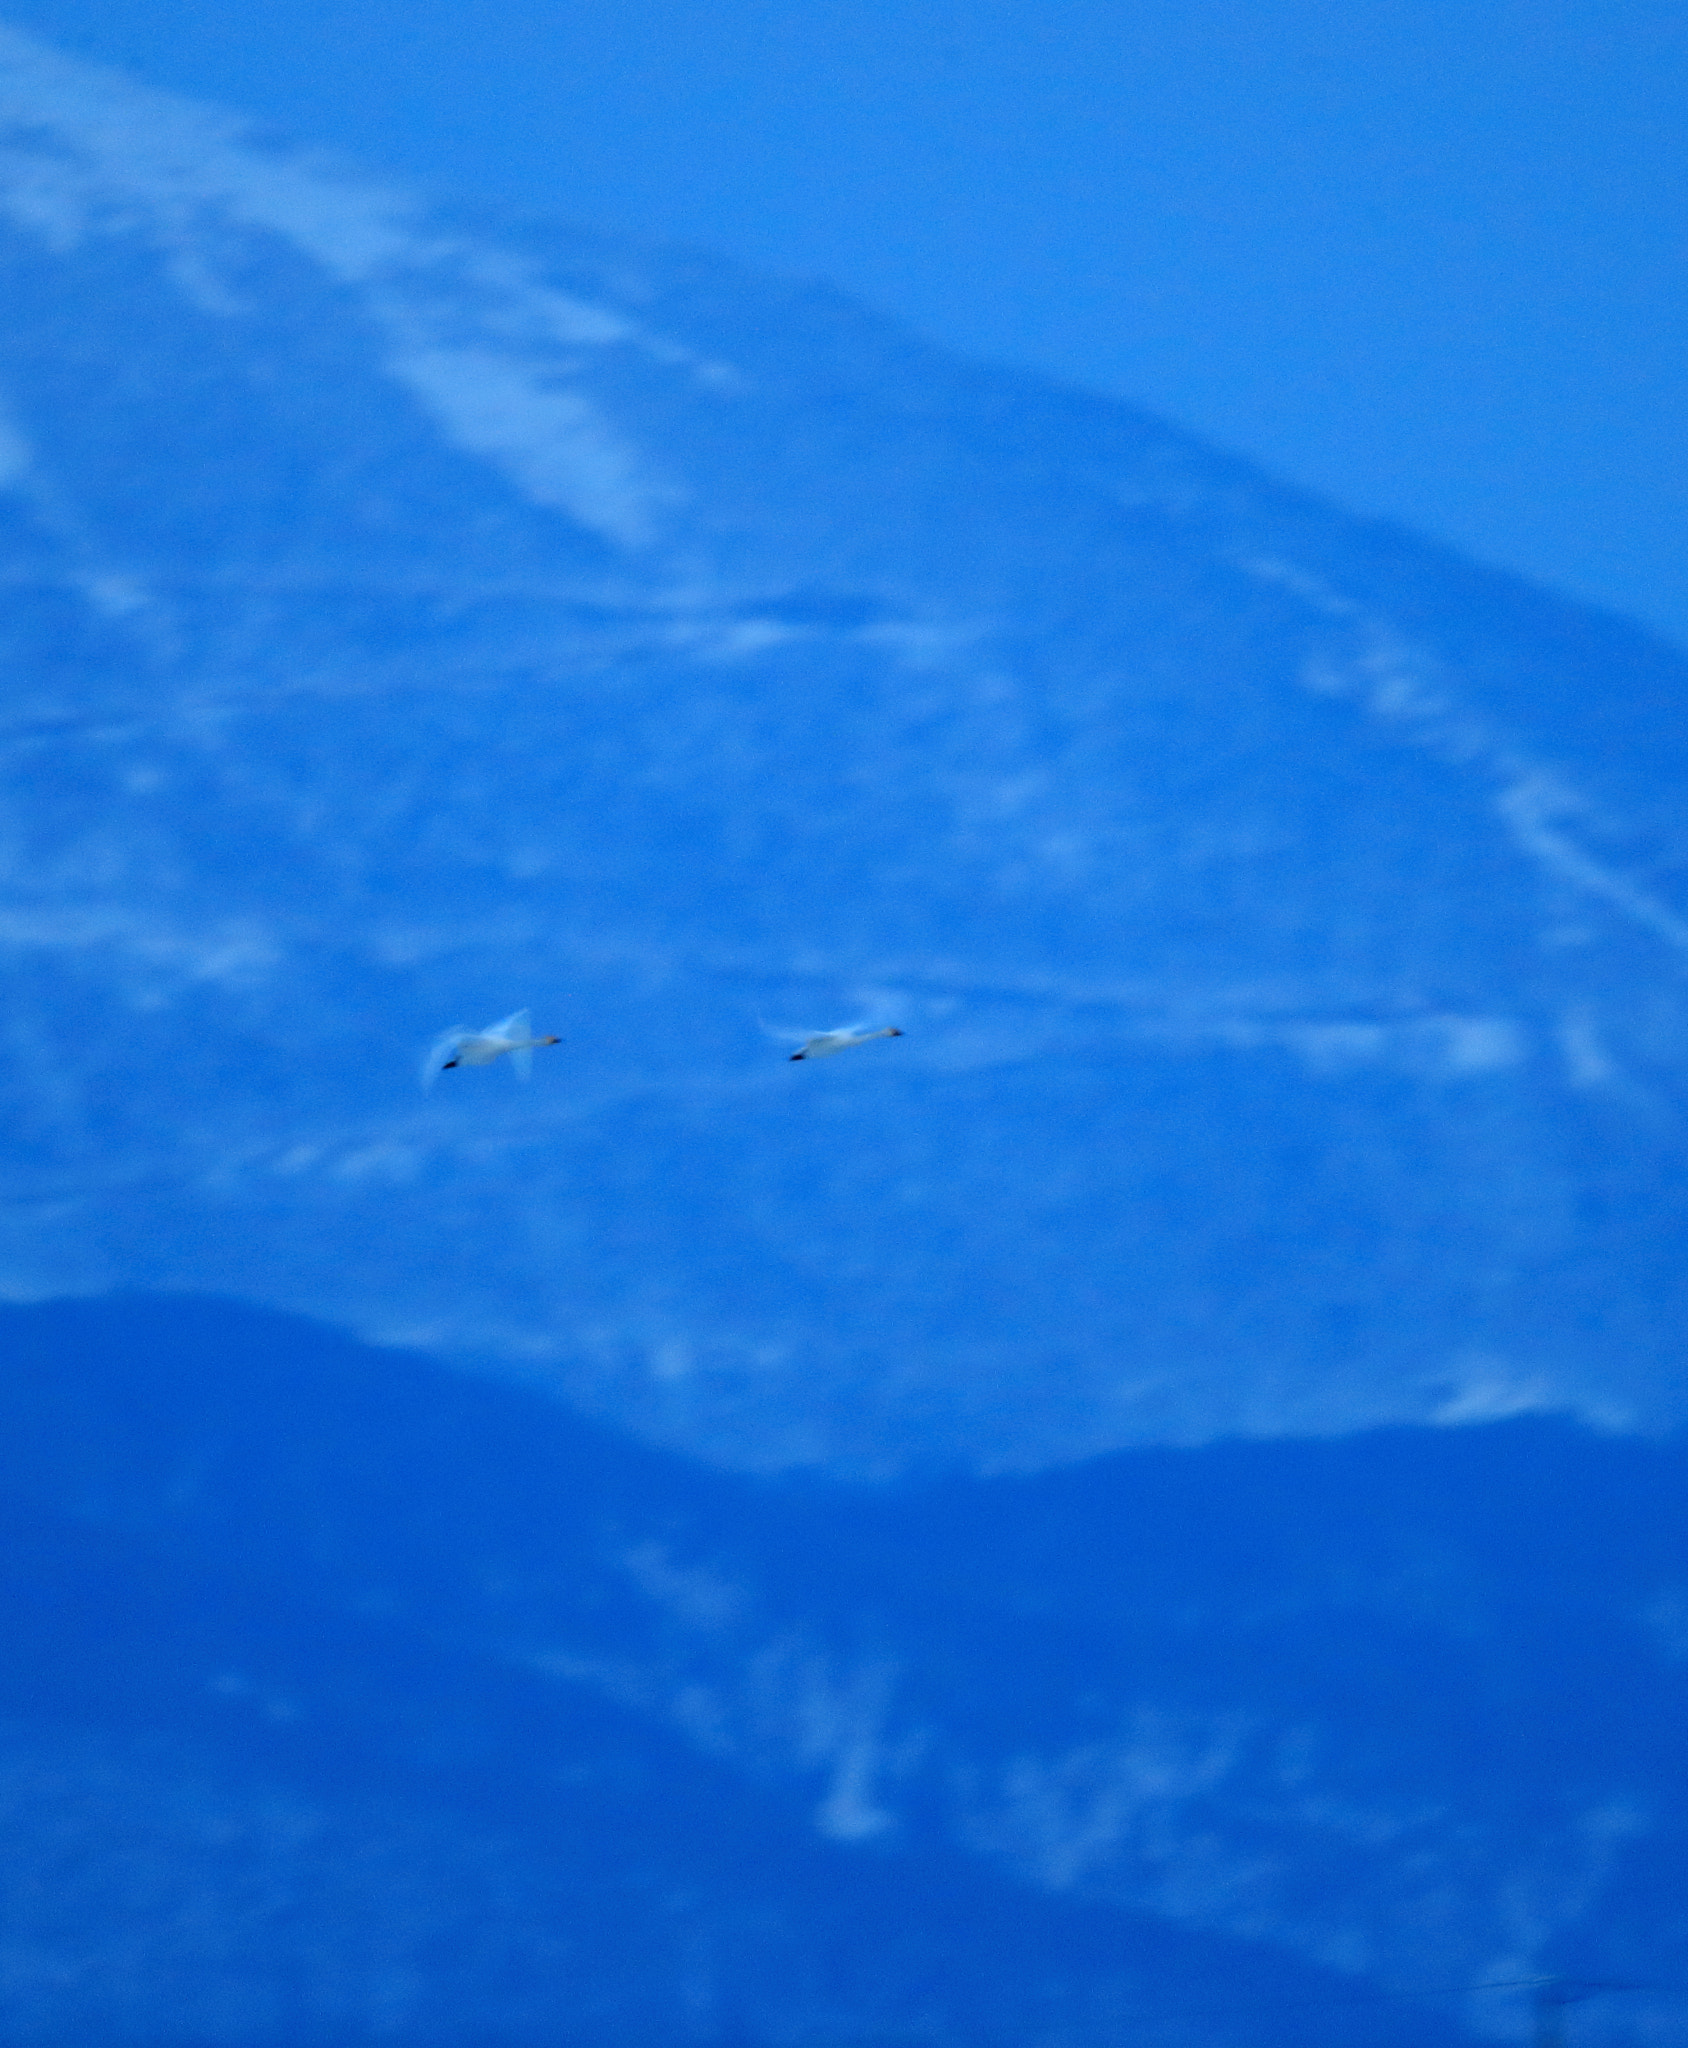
824, 1044
461, 1047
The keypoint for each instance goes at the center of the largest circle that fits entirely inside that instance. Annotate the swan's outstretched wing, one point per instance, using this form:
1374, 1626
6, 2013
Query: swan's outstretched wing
785, 1034
442, 1049
514, 1031
826, 1043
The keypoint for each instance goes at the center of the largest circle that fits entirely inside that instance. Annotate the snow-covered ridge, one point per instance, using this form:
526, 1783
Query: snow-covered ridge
84, 151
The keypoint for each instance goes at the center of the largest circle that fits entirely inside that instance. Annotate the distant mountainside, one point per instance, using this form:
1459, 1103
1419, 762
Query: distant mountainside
348, 1699
408, 616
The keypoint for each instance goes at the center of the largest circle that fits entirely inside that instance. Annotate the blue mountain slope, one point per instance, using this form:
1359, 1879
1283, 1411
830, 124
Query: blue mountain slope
295, 1828
410, 616
495, 1715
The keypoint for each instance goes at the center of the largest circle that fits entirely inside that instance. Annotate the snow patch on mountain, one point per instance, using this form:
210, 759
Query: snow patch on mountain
123, 159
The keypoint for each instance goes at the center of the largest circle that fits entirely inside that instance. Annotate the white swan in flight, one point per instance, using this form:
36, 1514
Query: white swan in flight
461, 1047
823, 1044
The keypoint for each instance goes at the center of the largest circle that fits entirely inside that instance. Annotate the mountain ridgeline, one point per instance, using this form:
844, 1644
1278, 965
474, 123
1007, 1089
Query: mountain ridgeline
410, 616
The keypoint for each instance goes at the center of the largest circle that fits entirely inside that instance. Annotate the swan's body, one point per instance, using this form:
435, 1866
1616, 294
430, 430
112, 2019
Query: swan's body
512, 1036
825, 1043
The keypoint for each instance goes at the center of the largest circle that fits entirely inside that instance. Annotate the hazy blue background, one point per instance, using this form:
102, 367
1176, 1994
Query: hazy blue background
407, 618
1426, 257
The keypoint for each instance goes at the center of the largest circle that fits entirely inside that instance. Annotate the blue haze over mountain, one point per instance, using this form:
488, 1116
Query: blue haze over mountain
412, 617
412, 614
1423, 255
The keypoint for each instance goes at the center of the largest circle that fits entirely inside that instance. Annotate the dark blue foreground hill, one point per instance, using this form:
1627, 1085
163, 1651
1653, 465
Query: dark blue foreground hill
350, 1699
